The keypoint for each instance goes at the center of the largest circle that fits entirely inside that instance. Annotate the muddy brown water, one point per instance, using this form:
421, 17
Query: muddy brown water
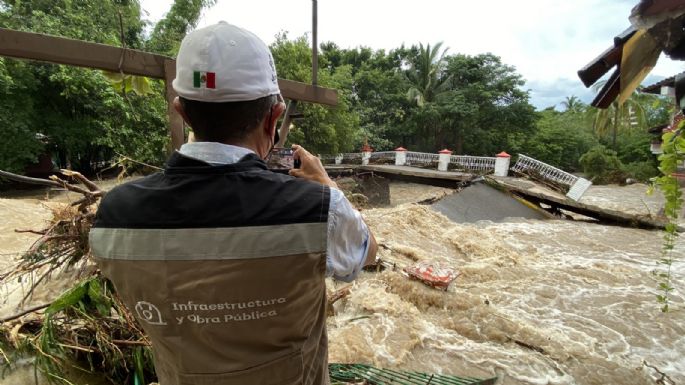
537, 301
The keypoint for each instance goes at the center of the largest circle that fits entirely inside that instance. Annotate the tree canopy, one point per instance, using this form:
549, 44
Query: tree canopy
423, 97
75, 114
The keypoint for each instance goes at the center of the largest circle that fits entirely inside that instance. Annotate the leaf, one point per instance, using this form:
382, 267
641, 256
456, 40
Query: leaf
98, 298
114, 77
69, 298
141, 85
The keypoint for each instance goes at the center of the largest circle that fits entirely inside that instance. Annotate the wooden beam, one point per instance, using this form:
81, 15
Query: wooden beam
54, 49
175, 120
609, 92
307, 92
594, 70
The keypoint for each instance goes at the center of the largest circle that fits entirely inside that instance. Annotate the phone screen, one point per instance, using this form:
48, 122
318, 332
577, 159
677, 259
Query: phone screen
282, 159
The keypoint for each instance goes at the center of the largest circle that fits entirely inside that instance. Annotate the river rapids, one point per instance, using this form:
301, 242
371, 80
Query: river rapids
536, 302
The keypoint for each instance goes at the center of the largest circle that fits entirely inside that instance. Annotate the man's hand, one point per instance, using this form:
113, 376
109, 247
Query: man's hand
310, 167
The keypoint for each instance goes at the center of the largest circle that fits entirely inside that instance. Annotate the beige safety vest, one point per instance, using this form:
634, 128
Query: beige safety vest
238, 322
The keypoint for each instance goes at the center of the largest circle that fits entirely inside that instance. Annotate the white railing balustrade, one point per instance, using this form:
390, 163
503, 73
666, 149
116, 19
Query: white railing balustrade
388, 155
421, 158
481, 164
473, 163
352, 158
527, 164
327, 158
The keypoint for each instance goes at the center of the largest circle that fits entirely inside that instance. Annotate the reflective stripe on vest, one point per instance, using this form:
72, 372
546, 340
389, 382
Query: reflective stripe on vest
207, 244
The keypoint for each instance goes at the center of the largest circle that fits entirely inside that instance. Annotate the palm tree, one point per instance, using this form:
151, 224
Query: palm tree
427, 79
629, 116
573, 104
426, 74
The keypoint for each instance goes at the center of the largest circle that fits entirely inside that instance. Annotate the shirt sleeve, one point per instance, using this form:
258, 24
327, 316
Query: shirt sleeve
348, 239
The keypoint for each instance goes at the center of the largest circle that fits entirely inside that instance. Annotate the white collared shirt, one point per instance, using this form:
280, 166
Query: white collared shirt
348, 235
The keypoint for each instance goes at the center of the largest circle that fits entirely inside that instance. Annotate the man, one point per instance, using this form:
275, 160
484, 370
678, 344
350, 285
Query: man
221, 260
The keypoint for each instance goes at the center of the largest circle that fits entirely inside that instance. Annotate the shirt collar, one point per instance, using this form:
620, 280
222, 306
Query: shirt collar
214, 153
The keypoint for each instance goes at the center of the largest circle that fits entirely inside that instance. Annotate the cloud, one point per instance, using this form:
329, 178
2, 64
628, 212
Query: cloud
545, 93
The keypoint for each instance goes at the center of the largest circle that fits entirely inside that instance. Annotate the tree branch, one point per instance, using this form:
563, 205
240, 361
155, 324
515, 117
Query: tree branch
27, 311
26, 179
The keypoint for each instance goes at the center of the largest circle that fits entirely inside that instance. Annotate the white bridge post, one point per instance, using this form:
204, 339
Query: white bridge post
366, 154
444, 159
502, 164
400, 156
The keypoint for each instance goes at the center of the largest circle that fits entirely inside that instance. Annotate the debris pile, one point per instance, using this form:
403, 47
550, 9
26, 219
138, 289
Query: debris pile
88, 326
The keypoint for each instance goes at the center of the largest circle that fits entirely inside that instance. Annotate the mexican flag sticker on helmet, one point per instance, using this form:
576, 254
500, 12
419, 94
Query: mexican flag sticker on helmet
204, 79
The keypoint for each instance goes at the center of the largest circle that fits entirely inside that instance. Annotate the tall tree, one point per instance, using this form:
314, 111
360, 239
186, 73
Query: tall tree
573, 104
630, 116
322, 129
485, 111
72, 112
426, 74
378, 93
427, 80
560, 139
182, 17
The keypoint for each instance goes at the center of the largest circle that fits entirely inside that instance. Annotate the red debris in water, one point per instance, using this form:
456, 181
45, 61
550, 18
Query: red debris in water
432, 274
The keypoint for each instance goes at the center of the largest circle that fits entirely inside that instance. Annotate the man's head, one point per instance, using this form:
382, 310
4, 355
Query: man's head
227, 86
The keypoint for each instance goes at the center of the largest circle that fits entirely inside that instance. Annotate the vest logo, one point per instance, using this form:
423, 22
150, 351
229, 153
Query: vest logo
149, 313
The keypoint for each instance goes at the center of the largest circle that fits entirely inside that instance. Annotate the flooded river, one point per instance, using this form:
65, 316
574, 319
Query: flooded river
537, 301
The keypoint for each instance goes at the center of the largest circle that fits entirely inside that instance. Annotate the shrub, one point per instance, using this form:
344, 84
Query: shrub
641, 171
602, 166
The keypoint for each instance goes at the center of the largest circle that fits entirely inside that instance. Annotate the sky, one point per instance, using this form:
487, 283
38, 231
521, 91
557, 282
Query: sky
547, 41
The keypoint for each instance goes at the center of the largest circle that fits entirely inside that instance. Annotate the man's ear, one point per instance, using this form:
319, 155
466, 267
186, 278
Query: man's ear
271, 119
179, 108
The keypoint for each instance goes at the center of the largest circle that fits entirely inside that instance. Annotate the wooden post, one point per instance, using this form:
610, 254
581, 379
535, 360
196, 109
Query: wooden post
315, 45
285, 125
175, 119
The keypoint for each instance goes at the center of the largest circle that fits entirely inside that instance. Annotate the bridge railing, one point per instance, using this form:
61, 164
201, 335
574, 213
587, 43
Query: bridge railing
327, 158
573, 186
482, 164
421, 158
353, 157
382, 155
527, 165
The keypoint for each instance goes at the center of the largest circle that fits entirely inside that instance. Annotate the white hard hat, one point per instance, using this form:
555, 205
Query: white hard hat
224, 63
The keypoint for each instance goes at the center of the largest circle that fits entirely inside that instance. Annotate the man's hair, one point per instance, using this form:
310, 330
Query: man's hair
225, 122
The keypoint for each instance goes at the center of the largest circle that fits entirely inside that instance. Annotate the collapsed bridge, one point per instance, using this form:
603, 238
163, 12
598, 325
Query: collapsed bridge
536, 185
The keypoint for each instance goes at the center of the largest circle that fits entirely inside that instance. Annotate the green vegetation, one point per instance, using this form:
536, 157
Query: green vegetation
422, 97
602, 165
674, 154
76, 114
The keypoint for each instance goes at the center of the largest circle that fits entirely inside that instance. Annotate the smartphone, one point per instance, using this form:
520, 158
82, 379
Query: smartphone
282, 159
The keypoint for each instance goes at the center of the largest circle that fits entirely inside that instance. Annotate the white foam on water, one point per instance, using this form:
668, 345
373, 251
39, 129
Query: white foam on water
537, 302
569, 302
